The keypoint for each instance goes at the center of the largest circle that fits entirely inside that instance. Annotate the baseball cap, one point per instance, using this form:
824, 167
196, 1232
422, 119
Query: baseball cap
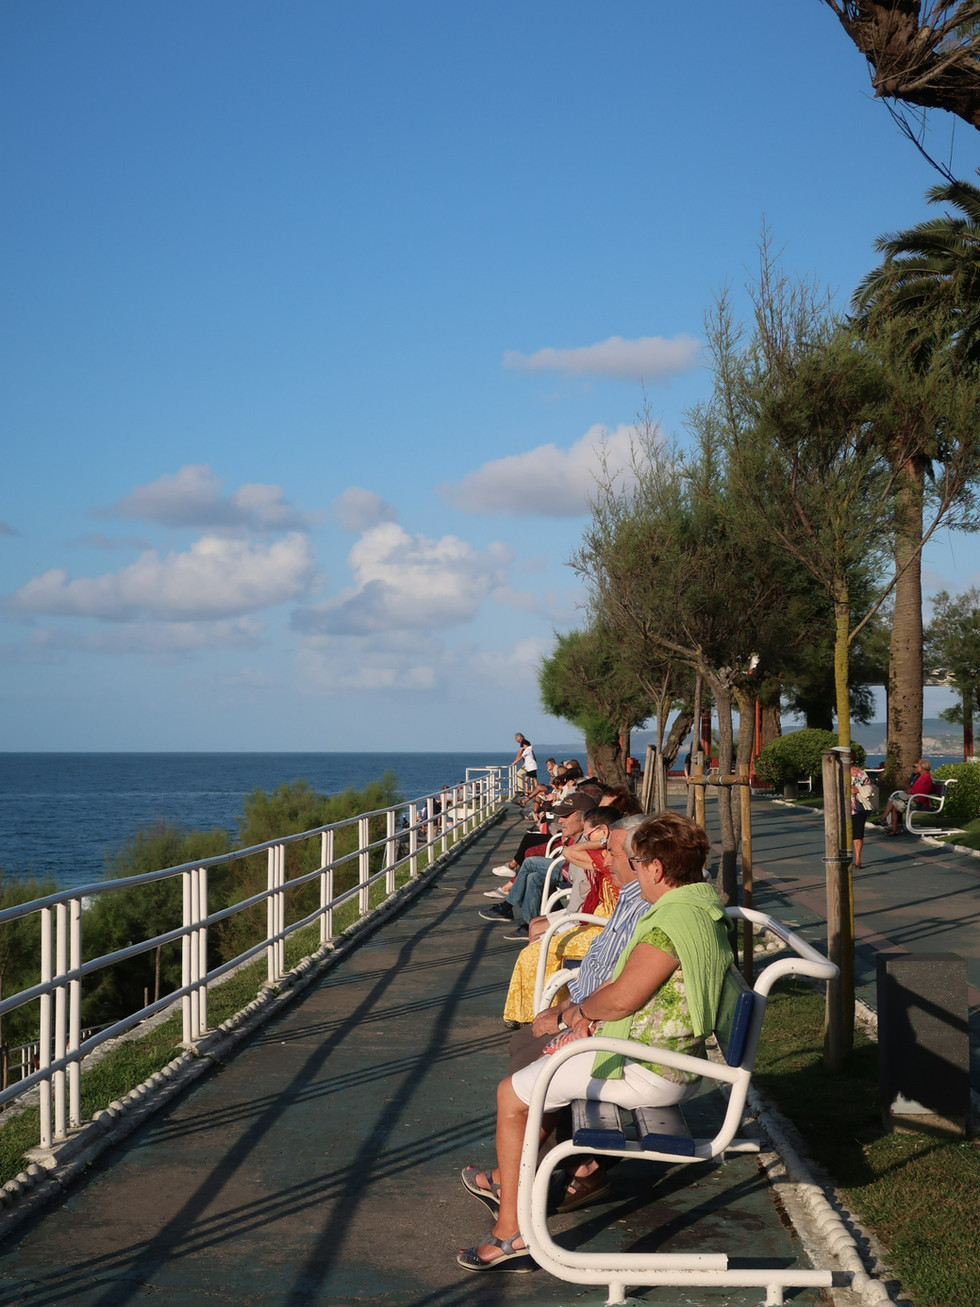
575, 802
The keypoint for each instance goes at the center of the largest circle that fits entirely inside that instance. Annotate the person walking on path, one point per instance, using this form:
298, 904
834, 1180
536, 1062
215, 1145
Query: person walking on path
860, 805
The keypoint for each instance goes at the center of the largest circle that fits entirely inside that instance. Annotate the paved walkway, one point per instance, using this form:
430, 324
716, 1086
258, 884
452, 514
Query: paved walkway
320, 1164
908, 895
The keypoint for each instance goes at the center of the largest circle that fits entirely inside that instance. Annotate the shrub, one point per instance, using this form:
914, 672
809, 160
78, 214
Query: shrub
791, 756
963, 800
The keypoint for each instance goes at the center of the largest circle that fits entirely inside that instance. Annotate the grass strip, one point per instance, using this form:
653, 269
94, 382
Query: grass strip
919, 1193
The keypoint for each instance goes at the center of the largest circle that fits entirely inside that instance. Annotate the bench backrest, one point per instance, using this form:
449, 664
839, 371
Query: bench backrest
734, 1017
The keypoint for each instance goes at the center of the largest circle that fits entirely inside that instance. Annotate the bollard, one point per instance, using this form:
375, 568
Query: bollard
923, 1041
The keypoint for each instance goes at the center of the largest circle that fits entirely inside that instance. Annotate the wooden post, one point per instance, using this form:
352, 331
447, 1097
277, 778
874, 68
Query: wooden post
748, 942
839, 1016
697, 776
649, 779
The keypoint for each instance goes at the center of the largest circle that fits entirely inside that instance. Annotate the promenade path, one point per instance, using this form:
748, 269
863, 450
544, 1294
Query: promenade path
908, 895
320, 1163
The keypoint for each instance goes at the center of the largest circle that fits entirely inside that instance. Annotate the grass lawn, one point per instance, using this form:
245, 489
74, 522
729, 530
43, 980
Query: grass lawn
968, 838
920, 1194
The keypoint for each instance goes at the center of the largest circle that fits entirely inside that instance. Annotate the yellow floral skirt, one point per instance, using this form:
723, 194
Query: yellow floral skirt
520, 994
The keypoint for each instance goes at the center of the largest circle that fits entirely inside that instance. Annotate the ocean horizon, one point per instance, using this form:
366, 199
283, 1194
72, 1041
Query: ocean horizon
62, 815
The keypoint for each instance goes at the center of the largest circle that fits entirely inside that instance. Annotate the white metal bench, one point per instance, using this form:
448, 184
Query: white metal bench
917, 806
662, 1135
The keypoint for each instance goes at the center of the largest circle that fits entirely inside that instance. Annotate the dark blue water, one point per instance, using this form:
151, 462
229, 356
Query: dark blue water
61, 813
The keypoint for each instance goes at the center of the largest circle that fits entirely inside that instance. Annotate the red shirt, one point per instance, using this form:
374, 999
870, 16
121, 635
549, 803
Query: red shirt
921, 785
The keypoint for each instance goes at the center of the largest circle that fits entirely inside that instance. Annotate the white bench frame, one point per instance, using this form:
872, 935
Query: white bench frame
912, 807
619, 1270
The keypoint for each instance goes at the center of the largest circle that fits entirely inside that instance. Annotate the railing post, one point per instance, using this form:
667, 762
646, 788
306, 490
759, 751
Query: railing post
44, 1032
60, 1018
413, 840
185, 956
270, 918
363, 865
75, 1013
195, 961
202, 946
391, 852
430, 832
326, 886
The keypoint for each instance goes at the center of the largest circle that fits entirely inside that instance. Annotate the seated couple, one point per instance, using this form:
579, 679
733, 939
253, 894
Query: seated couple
594, 890
920, 784
525, 892
663, 991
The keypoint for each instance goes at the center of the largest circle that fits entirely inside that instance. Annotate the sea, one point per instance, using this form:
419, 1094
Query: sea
63, 814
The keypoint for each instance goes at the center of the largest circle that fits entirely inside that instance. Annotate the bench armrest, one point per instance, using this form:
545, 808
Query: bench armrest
566, 918
808, 961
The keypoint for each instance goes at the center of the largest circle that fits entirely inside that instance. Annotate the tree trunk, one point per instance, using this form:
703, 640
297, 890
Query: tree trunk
838, 840
607, 762
746, 736
772, 726
727, 877
696, 713
905, 659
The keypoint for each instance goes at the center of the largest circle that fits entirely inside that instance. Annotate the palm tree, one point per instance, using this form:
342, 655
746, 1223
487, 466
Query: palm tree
923, 302
930, 278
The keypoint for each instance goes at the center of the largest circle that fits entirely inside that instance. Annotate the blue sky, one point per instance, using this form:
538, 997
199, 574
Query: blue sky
313, 315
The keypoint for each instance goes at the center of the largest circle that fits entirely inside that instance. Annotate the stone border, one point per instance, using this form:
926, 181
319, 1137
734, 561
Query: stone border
51, 1172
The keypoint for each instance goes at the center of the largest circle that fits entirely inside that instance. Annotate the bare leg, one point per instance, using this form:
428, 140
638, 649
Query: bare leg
858, 846
511, 1121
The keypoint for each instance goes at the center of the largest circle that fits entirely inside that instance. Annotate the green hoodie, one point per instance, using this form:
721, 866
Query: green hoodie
694, 920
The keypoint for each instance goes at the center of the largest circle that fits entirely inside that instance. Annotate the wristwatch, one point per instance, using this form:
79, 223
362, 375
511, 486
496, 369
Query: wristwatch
561, 1021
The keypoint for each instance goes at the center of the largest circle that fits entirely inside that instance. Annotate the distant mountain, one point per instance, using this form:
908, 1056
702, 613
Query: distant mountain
939, 738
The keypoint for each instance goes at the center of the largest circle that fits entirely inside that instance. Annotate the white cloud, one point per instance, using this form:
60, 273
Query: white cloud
216, 578
193, 497
99, 540
415, 661
155, 639
359, 510
548, 604
401, 660
408, 582
651, 358
546, 481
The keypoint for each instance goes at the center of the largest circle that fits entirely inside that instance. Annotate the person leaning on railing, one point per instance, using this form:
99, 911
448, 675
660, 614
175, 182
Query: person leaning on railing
664, 992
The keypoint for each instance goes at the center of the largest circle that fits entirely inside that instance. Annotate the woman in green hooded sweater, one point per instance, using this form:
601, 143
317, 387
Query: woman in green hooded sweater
664, 991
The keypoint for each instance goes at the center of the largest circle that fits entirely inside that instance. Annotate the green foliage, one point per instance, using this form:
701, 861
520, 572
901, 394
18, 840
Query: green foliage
291, 808
792, 756
952, 645
20, 949
920, 1194
587, 682
963, 799
118, 919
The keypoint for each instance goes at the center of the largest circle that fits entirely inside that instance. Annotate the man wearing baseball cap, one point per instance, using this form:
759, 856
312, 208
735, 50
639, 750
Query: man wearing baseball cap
526, 892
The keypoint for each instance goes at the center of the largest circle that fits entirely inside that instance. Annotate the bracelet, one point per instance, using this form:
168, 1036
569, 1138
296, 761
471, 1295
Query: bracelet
581, 1012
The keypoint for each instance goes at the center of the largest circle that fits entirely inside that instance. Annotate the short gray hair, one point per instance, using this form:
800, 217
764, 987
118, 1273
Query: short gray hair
629, 825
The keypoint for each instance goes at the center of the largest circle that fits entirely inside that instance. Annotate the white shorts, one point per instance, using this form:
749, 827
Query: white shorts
638, 1087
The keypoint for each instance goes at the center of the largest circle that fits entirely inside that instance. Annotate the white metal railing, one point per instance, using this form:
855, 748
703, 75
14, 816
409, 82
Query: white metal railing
424, 828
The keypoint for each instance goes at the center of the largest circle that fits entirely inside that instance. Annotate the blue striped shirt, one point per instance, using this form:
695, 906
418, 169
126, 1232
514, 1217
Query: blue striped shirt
604, 951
